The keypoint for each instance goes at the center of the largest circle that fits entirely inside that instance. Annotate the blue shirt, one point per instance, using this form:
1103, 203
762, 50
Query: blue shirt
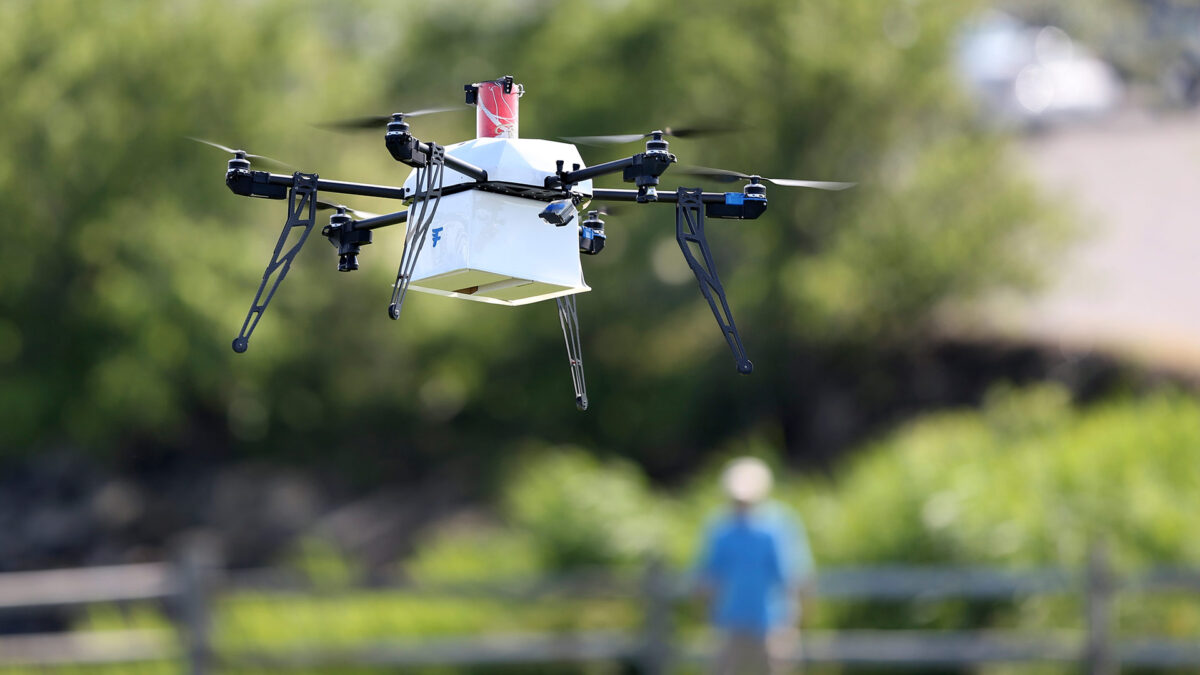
752, 562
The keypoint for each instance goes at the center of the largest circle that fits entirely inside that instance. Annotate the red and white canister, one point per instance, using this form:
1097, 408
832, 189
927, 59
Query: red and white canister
496, 113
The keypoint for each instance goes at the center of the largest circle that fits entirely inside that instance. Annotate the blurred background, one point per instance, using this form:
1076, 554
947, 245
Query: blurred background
976, 370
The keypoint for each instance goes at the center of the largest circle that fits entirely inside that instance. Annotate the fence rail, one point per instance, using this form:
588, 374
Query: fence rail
90, 648
92, 585
190, 584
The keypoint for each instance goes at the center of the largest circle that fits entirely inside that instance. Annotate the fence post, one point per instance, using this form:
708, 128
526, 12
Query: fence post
198, 564
655, 657
1100, 656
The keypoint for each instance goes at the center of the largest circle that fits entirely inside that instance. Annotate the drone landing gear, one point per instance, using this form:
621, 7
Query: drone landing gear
302, 212
569, 318
689, 232
418, 223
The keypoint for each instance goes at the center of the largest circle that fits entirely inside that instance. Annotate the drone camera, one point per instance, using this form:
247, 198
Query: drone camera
559, 212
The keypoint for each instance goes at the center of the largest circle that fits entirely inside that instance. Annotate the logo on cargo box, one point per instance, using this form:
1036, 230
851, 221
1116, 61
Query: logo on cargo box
437, 237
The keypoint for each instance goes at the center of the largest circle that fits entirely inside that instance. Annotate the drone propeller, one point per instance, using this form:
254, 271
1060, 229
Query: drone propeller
377, 121
327, 206
681, 132
726, 176
608, 210
242, 154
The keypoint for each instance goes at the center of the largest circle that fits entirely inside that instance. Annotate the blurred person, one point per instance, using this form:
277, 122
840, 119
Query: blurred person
754, 562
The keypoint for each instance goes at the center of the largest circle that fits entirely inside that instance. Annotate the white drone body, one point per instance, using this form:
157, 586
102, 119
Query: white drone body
492, 247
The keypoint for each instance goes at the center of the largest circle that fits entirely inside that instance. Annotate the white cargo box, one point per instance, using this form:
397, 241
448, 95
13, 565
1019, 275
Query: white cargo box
493, 247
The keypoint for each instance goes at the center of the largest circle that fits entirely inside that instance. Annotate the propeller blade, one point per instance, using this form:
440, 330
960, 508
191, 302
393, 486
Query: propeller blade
726, 176
264, 158
215, 145
604, 140
377, 121
430, 111
818, 184
353, 123
327, 206
680, 132
272, 160
719, 175
605, 210
703, 130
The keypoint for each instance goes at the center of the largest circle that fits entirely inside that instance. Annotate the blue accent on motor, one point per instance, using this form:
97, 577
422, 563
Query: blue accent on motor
436, 235
737, 205
591, 240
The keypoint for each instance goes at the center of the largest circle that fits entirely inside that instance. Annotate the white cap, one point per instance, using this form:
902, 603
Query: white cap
747, 479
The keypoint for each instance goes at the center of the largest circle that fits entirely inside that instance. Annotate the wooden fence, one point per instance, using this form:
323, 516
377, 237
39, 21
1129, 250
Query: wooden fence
190, 584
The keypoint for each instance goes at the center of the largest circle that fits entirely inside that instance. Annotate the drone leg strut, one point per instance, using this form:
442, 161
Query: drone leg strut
429, 184
302, 212
568, 317
689, 231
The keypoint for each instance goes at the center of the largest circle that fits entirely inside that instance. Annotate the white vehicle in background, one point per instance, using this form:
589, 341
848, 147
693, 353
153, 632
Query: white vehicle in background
1032, 76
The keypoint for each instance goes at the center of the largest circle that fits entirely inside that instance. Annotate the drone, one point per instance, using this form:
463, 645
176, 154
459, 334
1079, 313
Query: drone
488, 220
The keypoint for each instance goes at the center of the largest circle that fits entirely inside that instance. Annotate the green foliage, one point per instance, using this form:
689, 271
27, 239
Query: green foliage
473, 553
322, 565
129, 266
1025, 481
583, 512
250, 621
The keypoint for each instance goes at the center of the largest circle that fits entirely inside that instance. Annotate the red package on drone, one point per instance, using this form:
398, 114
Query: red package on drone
496, 106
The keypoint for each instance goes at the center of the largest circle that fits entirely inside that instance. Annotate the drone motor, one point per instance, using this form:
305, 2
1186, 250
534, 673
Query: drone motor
349, 241
591, 234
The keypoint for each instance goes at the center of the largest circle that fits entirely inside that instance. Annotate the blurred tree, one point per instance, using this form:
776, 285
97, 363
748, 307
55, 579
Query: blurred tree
580, 512
1026, 481
128, 266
